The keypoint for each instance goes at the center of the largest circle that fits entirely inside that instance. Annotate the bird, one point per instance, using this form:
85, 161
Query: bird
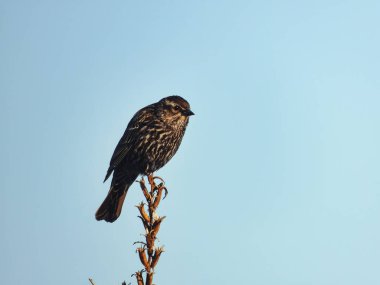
151, 139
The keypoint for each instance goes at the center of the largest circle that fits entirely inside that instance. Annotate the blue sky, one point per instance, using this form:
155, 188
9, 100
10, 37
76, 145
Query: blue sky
277, 178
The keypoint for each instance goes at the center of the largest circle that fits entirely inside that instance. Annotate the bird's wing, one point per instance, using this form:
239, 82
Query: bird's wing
129, 138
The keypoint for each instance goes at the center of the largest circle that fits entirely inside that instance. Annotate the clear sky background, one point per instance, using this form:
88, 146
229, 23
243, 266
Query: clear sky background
276, 181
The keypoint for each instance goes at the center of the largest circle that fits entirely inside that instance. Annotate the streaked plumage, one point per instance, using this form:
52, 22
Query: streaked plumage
151, 139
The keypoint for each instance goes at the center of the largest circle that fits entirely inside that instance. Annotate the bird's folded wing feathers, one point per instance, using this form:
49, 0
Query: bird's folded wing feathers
127, 141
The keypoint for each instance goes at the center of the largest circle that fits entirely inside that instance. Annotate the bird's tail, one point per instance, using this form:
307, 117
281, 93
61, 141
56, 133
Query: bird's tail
111, 207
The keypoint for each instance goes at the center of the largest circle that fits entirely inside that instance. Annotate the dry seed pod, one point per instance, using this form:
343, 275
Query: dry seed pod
156, 226
146, 225
153, 185
143, 212
143, 258
155, 217
157, 200
139, 277
145, 191
156, 256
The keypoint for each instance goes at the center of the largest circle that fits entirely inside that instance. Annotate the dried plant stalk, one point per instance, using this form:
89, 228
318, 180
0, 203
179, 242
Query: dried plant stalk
149, 253
139, 278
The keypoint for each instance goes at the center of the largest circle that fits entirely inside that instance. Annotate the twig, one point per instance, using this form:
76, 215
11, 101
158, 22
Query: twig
148, 253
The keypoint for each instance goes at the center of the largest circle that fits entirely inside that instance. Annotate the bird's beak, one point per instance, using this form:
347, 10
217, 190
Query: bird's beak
188, 112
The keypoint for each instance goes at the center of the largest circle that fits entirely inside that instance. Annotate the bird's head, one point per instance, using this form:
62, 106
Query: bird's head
175, 110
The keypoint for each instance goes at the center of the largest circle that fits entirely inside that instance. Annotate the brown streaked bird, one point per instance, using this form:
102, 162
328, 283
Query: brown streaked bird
151, 139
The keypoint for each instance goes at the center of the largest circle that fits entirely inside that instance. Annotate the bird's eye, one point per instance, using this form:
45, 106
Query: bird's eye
176, 108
